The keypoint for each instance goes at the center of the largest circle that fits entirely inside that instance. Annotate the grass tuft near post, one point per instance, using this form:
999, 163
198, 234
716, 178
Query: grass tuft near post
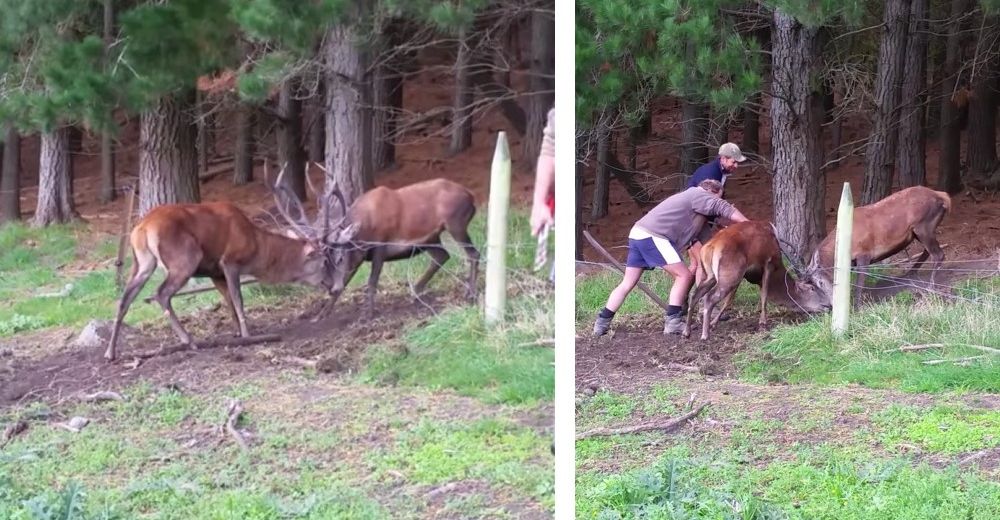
496, 232
842, 264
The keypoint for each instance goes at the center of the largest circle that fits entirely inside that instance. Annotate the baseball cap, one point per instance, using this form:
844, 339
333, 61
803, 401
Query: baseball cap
732, 151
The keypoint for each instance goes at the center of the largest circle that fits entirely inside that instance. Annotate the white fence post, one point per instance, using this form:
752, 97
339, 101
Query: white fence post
842, 264
496, 233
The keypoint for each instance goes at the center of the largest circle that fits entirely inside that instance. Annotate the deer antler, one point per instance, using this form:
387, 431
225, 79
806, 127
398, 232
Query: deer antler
283, 196
793, 261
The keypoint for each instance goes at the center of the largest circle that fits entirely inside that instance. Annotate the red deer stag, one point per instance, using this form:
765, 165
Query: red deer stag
216, 240
883, 229
391, 224
747, 250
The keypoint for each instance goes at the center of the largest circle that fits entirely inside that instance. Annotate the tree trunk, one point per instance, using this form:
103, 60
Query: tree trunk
482, 77
291, 156
911, 155
317, 124
461, 114
579, 206
204, 123
694, 135
602, 184
799, 182
981, 153
388, 102
881, 150
541, 82
949, 164
168, 170
10, 176
348, 118
55, 185
107, 190
751, 126
244, 146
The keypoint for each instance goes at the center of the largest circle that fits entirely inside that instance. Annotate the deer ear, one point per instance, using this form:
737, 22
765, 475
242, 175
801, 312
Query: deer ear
290, 233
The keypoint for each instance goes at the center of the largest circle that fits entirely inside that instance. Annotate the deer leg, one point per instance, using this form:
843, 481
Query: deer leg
180, 271
708, 304
377, 259
438, 257
699, 293
461, 235
142, 269
725, 305
931, 247
232, 275
220, 285
765, 279
862, 268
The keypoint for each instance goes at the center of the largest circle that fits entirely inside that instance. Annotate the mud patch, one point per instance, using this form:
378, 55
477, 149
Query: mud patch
336, 343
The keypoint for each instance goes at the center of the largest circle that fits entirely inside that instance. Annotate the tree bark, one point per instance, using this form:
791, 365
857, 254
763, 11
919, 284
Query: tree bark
911, 155
541, 81
291, 156
881, 149
751, 126
694, 135
317, 124
107, 190
461, 113
203, 125
949, 163
168, 170
799, 182
244, 146
981, 154
55, 185
482, 77
348, 118
602, 184
10, 176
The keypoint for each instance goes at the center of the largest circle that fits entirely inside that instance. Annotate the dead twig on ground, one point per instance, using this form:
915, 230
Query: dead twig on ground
543, 342
927, 346
237, 341
196, 290
104, 395
685, 368
233, 415
957, 361
663, 426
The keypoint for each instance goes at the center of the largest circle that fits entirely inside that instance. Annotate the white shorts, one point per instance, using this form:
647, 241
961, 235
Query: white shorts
663, 246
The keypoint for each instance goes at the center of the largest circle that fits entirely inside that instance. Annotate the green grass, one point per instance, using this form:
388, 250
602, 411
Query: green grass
817, 484
944, 429
870, 355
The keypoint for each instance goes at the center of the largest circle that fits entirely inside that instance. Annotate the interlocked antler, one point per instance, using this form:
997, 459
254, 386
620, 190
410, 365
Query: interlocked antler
793, 261
283, 198
326, 210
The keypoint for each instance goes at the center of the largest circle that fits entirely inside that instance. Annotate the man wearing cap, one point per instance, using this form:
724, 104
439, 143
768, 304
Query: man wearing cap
720, 168
656, 241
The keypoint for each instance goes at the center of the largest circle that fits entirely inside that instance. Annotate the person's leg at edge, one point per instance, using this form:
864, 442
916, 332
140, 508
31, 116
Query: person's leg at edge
615, 300
683, 279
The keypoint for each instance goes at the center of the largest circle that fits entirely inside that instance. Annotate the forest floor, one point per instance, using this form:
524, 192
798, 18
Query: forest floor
421, 412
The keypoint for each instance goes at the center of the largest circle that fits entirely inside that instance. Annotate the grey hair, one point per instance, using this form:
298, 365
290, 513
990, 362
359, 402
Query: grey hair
711, 185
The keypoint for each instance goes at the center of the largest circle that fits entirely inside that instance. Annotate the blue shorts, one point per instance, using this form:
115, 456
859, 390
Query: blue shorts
650, 252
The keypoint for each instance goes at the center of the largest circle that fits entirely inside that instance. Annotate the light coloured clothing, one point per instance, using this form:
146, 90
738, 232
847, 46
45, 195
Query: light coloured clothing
549, 134
675, 219
662, 245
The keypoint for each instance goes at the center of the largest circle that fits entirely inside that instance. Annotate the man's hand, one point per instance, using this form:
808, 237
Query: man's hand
540, 217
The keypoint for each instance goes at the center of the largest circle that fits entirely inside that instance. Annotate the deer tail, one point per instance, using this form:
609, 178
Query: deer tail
945, 201
716, 259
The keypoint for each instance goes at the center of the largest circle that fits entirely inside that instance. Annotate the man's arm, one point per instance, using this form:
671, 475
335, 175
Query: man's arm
545, 178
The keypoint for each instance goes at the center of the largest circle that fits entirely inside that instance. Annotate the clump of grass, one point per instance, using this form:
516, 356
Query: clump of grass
943, 429
870, 354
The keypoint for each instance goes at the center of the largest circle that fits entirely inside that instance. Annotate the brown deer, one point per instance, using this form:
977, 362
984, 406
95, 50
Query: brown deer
391, 224
218, 241
883, 229
750, 251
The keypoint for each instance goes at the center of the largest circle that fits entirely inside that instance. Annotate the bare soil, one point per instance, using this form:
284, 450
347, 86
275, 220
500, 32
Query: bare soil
337, 343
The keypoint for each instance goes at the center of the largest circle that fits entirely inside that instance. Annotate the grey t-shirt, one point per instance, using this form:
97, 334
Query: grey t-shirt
676, 217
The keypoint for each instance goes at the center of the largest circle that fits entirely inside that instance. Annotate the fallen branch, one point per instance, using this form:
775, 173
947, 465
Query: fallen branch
102, 396
685, 368
544, 342
665, 427
230, 341
300, 361
205, 288
914, 348
957, 361
233, 415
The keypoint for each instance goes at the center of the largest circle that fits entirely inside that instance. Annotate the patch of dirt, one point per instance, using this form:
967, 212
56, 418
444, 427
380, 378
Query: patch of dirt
338, 342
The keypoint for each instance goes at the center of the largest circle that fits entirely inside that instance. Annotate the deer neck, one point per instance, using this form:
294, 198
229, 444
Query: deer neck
279, 258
